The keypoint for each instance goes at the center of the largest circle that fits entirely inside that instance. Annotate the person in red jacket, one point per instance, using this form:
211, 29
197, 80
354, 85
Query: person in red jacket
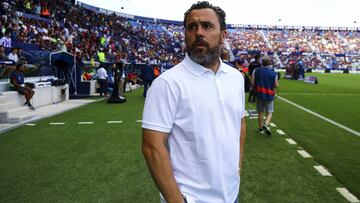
45, 12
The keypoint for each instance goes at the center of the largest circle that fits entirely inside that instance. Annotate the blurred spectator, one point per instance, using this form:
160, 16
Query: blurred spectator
4, 9
17, 82
28, 6
45, 12
37, 9
2, 54
101, 55
147, 76
102, 76
5, 41
120, 66
254, 63
13, 55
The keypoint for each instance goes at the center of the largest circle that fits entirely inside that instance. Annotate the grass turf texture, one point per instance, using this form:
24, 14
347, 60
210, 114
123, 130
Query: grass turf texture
78, 163
275, 172
103, 162
337, 97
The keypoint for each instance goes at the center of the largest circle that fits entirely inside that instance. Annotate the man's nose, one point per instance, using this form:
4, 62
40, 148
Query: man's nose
200, 31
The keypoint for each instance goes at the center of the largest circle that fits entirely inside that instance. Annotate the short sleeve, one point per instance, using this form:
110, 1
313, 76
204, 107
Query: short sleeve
160, 107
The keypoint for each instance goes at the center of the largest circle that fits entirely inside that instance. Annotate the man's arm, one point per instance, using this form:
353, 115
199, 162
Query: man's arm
253, 78
155, 151
105, 72
276, 82
14, 82
242, 142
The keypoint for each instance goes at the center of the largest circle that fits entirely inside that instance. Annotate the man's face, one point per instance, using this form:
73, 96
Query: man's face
203, 36
22, 68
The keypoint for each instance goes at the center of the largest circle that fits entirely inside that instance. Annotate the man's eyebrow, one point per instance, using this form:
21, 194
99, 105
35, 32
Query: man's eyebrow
202, 22
206, 23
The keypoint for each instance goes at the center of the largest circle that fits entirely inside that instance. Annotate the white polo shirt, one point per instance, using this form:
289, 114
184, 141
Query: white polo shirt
202, 113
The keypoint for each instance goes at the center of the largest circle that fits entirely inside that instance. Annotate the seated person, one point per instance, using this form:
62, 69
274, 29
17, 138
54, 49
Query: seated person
17, 83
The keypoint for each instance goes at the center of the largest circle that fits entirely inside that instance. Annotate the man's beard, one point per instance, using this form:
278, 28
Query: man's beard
205, 58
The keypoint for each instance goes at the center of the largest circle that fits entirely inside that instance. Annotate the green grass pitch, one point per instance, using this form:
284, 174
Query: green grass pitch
103, 162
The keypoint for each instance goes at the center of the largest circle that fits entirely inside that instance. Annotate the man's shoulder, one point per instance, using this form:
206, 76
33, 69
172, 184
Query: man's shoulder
230, 68
15, 74
174, 72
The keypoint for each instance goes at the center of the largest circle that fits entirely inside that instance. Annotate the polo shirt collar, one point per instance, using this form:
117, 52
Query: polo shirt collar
198, 69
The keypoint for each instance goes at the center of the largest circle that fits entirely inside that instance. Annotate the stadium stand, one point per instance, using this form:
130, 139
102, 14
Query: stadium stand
86, 29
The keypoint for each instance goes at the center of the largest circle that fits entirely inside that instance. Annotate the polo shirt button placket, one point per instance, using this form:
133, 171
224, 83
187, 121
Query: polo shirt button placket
218, 88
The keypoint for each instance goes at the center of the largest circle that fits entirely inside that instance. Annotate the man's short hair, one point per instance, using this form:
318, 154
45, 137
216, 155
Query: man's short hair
266, 61
19, 65
203, 5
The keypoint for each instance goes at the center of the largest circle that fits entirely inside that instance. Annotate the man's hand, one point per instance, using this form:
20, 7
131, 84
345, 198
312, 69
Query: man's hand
158, 160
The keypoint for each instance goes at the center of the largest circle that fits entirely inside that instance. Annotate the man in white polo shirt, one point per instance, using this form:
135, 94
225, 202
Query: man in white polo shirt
193, 120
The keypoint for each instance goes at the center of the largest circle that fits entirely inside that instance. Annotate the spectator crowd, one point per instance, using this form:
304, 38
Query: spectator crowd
94, 36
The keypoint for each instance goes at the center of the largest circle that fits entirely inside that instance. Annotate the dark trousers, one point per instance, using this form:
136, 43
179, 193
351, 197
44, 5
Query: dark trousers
147, 84
103, 86
252, 94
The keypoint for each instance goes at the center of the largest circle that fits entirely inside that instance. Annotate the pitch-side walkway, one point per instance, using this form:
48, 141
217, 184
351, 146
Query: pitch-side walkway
47, 111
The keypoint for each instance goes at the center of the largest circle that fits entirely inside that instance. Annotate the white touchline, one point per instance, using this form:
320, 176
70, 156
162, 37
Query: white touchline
272, 125
31, 124
56, 123
322, 117
291, 141
322, 170
304, 154
85, 122
114, 121
350, 197
322, 94
139, 121
280, 132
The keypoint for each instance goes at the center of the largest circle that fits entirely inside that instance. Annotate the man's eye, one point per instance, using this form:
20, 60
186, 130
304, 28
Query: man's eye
208, 26
191, 27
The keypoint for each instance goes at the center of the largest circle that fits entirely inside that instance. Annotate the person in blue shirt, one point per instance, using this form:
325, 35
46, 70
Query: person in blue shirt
17, 82
301, 70
265, 80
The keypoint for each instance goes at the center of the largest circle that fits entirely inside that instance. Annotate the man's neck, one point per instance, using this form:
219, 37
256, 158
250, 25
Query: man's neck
215, 67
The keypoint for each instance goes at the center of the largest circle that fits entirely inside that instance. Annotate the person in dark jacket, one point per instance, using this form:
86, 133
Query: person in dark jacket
147, 75
255, 63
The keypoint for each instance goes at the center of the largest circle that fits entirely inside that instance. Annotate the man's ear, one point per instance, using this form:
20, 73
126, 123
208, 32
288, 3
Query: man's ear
223, 36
